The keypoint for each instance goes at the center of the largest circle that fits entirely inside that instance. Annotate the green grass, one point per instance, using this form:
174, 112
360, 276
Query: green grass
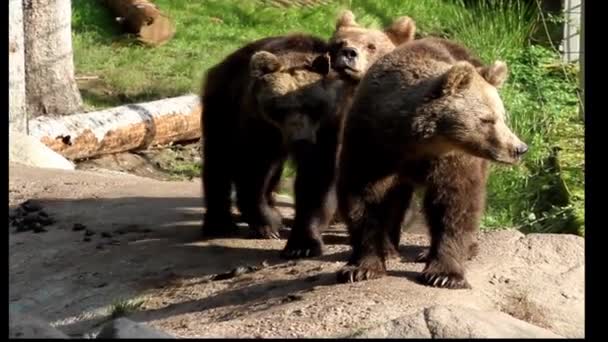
124, 307
540, 94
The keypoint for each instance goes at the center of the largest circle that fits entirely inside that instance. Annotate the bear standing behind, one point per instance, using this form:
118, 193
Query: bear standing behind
421, 117
241, 146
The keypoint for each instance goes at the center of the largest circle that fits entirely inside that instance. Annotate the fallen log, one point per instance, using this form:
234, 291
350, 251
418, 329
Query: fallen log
144, 19
120, 129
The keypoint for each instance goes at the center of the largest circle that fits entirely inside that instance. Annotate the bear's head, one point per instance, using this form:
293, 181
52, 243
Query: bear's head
355, 48
295, 92
464, 110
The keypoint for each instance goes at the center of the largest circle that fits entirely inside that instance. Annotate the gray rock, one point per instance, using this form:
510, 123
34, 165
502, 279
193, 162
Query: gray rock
26, 326
27, 150
126, 328
457, 322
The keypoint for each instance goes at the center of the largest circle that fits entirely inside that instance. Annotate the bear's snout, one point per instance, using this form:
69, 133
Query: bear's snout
349, 53
521, 149
347, 59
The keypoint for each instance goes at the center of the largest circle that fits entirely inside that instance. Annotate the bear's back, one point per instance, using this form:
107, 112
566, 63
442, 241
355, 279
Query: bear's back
230, 76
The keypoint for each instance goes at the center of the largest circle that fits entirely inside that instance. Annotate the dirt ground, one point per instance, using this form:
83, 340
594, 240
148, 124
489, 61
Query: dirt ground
117, 236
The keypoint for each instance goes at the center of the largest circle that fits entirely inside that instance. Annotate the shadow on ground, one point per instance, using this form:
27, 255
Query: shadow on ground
141, 244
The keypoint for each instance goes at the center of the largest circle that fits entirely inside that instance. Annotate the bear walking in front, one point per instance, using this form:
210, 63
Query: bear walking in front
423, 115
270, 99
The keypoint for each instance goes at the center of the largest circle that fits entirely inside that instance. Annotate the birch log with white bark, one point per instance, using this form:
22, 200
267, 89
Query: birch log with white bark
121, 129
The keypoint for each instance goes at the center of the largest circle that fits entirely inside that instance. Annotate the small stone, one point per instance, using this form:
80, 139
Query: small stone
30, 218
45, 220
292, 297
31, 206
78, 227
37, 228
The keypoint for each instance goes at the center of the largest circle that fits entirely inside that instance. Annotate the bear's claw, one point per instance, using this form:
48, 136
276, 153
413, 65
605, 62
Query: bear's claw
442, 280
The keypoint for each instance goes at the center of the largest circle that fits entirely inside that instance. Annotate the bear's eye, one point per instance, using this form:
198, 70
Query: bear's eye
488, 121
371, 47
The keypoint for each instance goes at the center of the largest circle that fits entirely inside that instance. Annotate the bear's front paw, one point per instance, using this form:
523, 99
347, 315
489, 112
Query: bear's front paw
302, 248
370, 269
264, 232
445, 274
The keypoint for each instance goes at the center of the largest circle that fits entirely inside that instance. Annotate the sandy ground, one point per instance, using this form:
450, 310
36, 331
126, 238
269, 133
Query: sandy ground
141, 240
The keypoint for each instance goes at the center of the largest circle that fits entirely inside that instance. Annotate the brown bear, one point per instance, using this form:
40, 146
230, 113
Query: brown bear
422, 117
270, 99
354, 48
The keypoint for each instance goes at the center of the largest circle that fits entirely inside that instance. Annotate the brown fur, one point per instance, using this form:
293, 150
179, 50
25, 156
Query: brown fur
354, 48
257, 103
421, 116
240, 146
370, 44
350, 35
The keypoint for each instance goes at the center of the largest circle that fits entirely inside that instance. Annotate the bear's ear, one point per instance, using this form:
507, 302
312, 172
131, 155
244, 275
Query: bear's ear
457, 79
496, 74
346, 18
263, 63
402, 30
321, 64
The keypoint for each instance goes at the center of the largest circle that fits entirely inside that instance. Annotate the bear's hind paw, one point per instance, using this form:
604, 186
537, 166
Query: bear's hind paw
443, 280
302, 249
351, 274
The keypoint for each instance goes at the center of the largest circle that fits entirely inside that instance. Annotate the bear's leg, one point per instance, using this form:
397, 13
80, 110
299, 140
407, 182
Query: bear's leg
453, 205
262, 154
252, 201
473, 250
274, 183
374, 228
315, 201
402, 202
217, 186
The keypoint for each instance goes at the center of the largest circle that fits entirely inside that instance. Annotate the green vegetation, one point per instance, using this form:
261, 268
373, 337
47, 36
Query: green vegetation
545, 193
124, 307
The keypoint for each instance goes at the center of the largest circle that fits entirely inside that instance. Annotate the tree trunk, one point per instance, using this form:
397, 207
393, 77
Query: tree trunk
121, 129
581, 60
17, 116
49, 67
143, 18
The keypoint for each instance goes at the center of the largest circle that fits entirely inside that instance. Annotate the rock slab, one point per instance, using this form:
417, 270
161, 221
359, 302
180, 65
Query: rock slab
457, 322
27, 150
126, 328
26, 326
